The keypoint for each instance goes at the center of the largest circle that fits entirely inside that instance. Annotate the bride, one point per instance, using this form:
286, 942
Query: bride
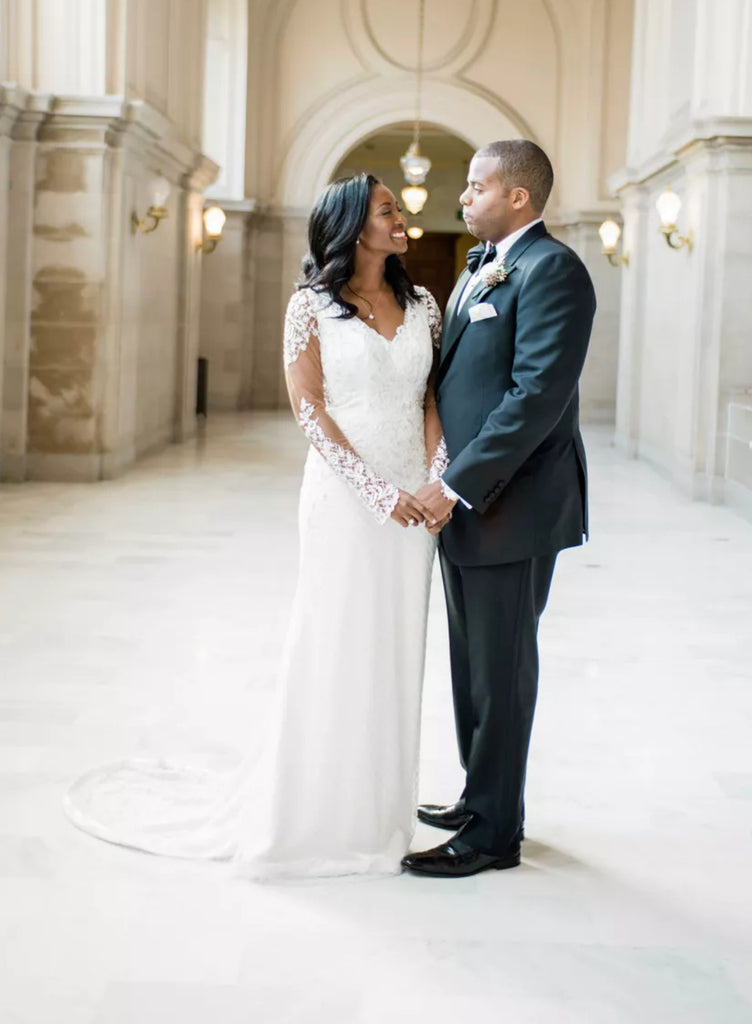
335, 792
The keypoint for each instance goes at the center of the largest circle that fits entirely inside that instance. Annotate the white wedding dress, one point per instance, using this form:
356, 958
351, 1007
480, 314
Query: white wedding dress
335, 791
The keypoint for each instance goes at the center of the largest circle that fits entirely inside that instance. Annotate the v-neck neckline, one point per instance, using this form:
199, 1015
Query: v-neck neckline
383, 337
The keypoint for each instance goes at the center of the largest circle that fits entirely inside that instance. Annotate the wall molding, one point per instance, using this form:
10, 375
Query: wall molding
470, 38
729, 133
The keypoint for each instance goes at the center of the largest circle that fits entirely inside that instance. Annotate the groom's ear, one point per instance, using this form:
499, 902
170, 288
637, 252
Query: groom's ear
520, 197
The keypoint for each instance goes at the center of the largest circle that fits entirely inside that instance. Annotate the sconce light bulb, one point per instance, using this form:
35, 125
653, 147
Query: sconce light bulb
610, 233
159, 189
668, 205
214, 221
415, 231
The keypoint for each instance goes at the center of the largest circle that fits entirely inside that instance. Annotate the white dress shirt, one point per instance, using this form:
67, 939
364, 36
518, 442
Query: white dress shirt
502, 248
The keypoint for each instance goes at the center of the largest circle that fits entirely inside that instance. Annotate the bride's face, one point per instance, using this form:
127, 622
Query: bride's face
384, 229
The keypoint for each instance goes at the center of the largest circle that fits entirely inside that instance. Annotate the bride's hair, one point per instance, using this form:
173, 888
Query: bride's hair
336, 220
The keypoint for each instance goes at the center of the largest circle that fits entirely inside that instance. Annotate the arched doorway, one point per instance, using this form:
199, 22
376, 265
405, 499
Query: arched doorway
338, 124
436, 258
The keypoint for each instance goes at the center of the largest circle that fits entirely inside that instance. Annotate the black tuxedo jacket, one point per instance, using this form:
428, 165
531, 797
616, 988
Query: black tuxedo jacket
507, 392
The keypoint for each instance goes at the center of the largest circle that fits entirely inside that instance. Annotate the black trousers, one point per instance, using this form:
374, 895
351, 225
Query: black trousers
493, 613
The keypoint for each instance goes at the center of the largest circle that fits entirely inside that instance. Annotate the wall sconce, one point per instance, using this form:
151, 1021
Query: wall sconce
668, 205
214, 222
415, 231
159, 189
610, 233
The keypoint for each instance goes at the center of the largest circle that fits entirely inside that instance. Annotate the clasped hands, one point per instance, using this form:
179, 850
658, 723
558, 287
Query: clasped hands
429, 506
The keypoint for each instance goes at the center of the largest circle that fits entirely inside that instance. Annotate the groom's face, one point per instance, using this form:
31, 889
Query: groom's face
488, 206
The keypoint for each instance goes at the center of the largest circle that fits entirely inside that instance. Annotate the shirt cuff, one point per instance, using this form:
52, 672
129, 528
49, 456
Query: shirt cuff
447, 491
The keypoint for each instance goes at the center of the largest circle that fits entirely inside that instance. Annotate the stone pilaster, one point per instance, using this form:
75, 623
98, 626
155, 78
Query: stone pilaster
579, 230
189, 295
70, 275
101, 323
277, 246
24, 114
635, 211
227, 309
685, 353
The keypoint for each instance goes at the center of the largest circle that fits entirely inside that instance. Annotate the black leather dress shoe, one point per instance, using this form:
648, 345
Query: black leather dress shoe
449, 816
457, 860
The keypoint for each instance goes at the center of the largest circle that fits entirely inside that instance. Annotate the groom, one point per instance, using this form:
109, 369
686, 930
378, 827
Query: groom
516, 333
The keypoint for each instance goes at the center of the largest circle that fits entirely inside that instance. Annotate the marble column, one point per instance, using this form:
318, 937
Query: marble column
71, 271
101, 323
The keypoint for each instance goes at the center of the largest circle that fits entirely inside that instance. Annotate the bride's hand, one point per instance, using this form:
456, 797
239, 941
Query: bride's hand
410, 512
438, 526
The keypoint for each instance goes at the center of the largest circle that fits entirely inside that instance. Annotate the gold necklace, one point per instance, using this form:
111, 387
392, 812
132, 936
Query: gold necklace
371, 305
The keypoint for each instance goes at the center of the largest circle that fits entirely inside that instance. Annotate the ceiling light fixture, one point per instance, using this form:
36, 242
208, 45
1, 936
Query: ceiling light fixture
414, 166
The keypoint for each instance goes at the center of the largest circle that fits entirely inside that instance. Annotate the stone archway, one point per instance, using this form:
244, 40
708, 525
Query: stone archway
339, 122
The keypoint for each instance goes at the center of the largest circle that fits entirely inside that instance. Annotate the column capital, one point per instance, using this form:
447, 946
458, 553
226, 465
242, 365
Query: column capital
577, 218
203, 174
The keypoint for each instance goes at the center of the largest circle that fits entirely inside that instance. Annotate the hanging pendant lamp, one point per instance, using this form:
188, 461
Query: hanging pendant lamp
415, 167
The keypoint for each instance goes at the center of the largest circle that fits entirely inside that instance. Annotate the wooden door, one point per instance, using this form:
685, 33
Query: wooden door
431, 261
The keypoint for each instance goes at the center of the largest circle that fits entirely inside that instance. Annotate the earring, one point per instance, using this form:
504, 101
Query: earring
357, 241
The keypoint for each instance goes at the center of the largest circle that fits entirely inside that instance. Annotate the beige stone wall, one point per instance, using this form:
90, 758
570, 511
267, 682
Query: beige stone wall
685, 365
164, 49
598, 382
101, 323
227, 308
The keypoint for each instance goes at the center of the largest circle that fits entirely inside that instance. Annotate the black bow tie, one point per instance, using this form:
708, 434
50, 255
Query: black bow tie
479, 255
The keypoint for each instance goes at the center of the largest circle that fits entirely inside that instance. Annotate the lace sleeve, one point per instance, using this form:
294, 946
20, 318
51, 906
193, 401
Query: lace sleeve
437, 458
305, 385
433, 313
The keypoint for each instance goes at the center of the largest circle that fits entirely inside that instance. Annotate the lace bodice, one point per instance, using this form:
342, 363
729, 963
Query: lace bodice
365, 402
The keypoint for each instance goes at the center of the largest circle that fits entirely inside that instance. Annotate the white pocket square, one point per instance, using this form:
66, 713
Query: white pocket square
482, 311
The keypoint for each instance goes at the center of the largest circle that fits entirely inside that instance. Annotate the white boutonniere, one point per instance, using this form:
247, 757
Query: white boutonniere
494, 273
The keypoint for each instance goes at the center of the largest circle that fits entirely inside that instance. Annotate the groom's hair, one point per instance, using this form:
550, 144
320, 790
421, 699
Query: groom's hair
523, 164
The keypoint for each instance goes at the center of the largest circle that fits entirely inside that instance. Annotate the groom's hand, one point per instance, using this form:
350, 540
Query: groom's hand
440, 507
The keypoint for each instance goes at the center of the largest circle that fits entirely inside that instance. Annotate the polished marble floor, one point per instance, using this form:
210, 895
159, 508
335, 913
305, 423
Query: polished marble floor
145, 615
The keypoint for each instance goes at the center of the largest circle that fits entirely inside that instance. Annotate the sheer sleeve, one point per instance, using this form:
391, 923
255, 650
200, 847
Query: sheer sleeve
305, 385
436, 450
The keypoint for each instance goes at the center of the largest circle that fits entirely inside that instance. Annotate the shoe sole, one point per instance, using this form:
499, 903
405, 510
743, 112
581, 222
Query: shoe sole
499, 866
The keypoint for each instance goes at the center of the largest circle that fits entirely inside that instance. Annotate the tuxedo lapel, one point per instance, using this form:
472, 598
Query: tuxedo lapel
523, 244
451, 315
456, 322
